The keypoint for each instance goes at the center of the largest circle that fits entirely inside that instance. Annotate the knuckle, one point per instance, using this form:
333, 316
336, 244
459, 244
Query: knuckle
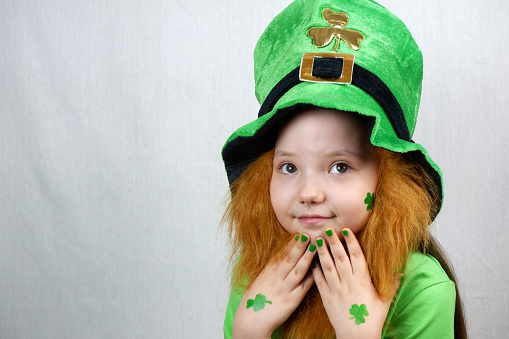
306, 284
296, 271
320, 284
329, 269
341, 259
356, 254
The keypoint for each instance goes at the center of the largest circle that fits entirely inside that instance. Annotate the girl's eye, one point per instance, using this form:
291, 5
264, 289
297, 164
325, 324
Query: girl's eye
340, 168
288, 168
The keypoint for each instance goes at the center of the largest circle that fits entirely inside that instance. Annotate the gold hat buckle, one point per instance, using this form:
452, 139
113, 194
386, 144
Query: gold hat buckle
306, 68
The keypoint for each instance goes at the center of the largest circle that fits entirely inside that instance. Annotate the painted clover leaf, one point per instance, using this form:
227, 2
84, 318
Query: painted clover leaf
369, 200
258, 303
359, 312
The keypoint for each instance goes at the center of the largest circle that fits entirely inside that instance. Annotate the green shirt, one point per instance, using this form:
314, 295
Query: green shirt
424, 306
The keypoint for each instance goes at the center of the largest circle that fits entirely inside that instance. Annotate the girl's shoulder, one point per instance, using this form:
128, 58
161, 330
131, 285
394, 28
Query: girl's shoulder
424, 268
425, 302
424, 276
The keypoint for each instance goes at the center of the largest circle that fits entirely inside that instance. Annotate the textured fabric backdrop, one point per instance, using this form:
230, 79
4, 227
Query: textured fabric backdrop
112, 118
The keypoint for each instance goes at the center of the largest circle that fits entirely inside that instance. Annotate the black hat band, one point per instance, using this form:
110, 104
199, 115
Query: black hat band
330, 68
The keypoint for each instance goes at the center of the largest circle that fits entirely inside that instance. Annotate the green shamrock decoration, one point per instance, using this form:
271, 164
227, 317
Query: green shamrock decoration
369, 200
359, 312
258, 303
322, 36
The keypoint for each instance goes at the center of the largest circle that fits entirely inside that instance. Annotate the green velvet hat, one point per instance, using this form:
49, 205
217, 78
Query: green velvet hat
349, 55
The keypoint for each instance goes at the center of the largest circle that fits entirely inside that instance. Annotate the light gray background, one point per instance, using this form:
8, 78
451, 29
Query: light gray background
112, 118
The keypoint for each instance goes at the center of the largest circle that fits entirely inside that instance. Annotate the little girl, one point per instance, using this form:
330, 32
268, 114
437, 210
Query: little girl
330, 198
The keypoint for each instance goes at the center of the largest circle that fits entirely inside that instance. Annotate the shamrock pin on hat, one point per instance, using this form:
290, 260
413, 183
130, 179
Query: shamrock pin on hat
348, 55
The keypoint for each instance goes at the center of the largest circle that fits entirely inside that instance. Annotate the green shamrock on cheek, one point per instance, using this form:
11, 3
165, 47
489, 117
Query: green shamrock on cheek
369, 200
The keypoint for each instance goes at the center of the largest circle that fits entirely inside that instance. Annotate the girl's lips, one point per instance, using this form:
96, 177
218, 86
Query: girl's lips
313, 219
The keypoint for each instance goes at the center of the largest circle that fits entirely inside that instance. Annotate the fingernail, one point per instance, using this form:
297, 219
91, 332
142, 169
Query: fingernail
303, 238
297, 237
345, 233
319, 242
313, 265
312, 248
329, 233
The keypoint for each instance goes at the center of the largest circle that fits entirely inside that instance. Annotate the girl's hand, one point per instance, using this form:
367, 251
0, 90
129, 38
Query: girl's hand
352, 303
276, 292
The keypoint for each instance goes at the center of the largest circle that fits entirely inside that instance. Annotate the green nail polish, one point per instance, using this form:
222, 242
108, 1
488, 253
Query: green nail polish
303, 238
312, 248
313, 265
345, 233
297, 237
329, 233
319, 242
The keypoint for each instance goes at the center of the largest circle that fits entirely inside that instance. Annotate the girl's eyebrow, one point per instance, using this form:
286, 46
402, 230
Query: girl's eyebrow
332, 154
343, 152
280, 153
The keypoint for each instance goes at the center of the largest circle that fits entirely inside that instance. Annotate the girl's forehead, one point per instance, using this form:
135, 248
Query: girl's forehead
320, 127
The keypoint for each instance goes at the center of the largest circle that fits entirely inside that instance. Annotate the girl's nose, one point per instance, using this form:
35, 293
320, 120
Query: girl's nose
311, 193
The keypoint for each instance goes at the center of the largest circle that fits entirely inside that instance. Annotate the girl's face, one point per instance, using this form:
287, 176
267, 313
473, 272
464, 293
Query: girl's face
323, 169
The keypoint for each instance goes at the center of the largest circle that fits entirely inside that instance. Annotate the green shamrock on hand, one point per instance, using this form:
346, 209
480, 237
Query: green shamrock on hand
369, 200
359, 312
258, 303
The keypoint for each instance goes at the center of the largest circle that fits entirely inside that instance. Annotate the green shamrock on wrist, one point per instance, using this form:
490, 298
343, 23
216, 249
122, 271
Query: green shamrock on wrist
258, 303
359, 312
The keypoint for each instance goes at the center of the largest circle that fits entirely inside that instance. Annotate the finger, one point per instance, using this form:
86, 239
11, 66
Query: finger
276, 260
321, 282
341, 259
297, 247
303, 287
329, 269
359, 266
301, 267
291, 242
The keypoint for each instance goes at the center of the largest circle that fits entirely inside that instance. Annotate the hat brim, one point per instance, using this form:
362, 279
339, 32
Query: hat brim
250, 141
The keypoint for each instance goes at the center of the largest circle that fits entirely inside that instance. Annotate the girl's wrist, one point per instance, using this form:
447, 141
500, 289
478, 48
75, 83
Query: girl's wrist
354, 333
250, 330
